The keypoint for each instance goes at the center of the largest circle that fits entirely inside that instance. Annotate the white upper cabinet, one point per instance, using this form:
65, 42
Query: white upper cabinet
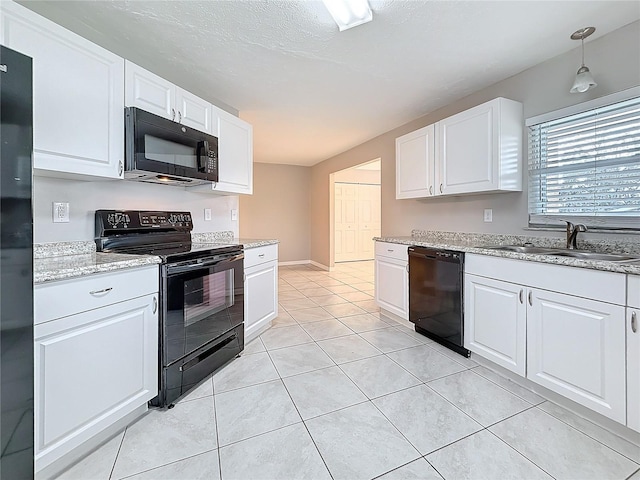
476, 151
152, 93
78, 97
149, 92
480, 149
415, 163
235, 153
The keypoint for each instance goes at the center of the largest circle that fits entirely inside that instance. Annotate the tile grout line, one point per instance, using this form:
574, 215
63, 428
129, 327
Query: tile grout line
636, 461
115, 460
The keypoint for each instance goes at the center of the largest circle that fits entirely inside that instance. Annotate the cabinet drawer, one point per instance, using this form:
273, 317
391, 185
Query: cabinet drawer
258, 255
67, 297
633, 291
392, 250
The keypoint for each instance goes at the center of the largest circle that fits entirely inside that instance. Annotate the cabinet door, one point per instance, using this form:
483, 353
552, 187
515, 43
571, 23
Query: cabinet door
78, 97
193, 111
495, 321
468, 150
415, 164
260, 298
576, 347
149, 92
633, 369
392, 285
91, 369
235, 153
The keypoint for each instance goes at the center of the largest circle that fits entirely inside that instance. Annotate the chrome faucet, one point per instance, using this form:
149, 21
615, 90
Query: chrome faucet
572, 234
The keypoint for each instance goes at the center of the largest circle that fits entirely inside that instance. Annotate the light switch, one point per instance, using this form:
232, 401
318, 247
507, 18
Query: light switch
207, 214
488, 215
60, 212
234, 215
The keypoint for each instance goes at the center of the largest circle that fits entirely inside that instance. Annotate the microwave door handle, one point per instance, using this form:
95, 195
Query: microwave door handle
202, 153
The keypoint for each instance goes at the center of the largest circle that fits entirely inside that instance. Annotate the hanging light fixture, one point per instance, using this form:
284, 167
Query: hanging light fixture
584, 81
349, 13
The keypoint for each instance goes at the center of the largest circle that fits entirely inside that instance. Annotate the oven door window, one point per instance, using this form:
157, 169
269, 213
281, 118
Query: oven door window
201, 307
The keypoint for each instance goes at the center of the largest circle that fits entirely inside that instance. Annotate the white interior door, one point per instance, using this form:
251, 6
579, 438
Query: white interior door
356, 221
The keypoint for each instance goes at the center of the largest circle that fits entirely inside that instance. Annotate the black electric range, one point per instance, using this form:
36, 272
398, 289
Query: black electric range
201, 316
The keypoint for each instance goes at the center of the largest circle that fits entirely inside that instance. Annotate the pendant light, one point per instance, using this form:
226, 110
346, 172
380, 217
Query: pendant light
584, 81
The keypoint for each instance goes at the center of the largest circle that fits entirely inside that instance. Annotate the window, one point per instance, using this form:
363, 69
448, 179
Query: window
585, 167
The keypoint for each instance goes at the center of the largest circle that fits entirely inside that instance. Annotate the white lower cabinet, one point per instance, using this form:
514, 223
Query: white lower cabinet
92, 367
392, 278
633, 352
561, 327
260, 290
576, 347
496, 321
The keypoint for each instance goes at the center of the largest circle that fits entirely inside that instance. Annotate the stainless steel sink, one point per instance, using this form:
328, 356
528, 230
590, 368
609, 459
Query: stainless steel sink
610, 257
561, 252
521, 249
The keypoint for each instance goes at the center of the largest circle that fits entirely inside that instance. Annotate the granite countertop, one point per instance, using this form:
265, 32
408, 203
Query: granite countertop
64, 260
227, 238
473, 243
77, 265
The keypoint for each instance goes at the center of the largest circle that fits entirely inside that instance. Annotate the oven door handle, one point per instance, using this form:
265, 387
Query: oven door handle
216, 261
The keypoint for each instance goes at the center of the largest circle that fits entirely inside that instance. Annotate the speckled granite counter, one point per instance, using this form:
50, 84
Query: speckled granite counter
473, 243
60, 261
217, 238
63, 260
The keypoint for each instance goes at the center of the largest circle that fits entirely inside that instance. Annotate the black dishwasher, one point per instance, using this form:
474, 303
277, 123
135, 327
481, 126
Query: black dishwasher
436, 296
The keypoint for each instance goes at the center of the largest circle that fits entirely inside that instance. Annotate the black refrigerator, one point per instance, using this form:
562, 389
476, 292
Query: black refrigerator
16, 266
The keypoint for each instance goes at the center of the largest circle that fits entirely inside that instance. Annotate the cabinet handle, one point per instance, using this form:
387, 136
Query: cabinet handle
634, 322
430, 189
104, 291
521, 296
441, 188
120, 168
407, 267
155, 304
173, 114
179, 117
390, 250
530, 296
261, 255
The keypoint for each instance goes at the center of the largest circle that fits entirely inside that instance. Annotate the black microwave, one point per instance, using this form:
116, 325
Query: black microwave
159, 150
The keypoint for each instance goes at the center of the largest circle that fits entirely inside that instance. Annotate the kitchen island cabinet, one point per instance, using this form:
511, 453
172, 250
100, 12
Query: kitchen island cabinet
96, 359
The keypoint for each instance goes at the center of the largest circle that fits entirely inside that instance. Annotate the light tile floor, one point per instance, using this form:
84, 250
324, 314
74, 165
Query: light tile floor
336, 390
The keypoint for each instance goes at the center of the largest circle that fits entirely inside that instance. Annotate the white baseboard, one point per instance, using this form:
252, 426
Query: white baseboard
306, 262
319, 265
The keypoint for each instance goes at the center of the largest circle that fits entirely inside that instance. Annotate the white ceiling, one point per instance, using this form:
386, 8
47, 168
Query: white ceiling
311, 91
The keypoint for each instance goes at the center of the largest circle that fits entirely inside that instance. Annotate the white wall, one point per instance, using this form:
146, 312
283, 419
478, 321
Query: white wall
86, 197
614, 60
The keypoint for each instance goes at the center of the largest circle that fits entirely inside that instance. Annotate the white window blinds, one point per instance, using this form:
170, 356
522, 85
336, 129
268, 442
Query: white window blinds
587, 165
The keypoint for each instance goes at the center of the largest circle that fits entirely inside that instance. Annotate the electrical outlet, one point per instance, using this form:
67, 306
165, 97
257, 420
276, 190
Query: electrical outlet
207, 214
60, 212
234, 214
488, 215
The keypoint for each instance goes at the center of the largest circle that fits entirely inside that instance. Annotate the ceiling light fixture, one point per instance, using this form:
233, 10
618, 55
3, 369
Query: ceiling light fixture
584, 81
349, 13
